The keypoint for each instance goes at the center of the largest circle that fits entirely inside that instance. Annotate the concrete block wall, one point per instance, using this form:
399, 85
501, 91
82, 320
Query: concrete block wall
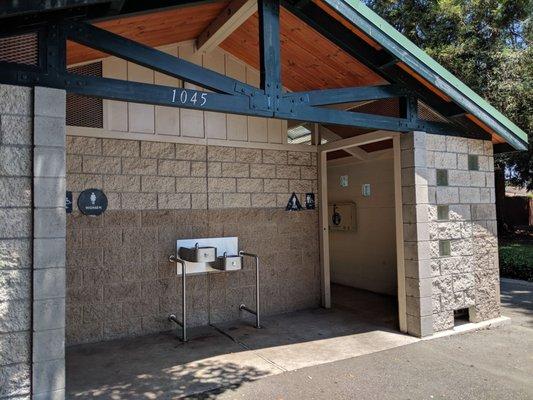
16, 139
143, 175
438, 283
160, 192
469, 276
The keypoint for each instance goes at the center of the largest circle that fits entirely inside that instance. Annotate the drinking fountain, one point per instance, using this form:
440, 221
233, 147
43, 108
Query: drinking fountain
199, 256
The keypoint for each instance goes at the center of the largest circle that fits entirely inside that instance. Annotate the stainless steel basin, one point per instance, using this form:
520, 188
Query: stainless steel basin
198, 254
228, 263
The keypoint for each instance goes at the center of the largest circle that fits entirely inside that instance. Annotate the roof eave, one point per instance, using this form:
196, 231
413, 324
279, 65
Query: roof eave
383, 33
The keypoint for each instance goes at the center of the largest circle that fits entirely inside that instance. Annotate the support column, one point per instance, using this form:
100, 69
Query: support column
15, 241
418, 281
49, 174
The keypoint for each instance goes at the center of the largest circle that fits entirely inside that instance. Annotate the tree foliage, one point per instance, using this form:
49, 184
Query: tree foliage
485, 43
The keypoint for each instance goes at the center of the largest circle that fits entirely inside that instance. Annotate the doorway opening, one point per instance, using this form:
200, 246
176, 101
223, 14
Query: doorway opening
362, 232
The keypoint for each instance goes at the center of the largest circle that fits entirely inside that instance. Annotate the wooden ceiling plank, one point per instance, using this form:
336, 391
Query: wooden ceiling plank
233, 16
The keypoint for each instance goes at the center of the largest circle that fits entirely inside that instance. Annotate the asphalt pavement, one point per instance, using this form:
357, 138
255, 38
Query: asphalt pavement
488, 364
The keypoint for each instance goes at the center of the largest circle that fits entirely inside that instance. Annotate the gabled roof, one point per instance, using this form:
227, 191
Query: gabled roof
386, 35
313, 58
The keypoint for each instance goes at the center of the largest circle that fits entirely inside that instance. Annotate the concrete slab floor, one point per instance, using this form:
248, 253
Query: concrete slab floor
161, 367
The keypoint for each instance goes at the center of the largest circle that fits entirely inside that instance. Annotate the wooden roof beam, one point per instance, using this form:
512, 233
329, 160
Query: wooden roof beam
235, 14
331, 136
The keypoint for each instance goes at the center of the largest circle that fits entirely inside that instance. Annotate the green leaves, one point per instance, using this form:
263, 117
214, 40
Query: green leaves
486, 44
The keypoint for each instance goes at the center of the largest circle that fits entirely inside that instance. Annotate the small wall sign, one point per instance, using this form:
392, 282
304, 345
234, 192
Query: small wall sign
310, 201
293, 204
344, 180
92, 202
336, 218
68, 202
365, 190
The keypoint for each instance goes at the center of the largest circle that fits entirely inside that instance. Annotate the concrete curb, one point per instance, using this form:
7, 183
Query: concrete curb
494, 323
517, 282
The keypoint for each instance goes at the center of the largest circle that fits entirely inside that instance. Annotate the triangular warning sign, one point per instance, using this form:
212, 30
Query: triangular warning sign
293, 204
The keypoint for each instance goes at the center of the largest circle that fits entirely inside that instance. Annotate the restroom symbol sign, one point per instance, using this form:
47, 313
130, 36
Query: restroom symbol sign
92, 202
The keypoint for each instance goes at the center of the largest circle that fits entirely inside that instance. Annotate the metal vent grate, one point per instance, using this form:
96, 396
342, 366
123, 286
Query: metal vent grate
21, 49
82, 110
427, 114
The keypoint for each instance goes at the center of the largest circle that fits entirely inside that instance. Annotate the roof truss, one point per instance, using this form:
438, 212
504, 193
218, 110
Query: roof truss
225, 24
228, 95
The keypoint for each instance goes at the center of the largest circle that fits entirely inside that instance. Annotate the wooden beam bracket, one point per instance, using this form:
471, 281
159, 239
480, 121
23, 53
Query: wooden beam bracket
233, 16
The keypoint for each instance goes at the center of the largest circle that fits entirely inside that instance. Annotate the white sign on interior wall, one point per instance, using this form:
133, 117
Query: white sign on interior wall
344, 180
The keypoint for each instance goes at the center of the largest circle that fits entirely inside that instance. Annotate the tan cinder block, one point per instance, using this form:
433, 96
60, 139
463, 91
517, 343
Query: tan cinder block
173, 168
237, 200
122, 183
17, 161
101, 165
308, 172
16, 129
299, 158
262, 171
235, 170
288, 171
198, 168
214, 169
215, 200
191, 152
123, 218
275, 157
221, 185
276, 185
249, 185
84, 145
300, 186
157, 150
74, 164
282, 199
264, 200
191, 185
475, 146
445, 160
173, 201
139, 201
220, 153
79, 182
456, 144
199, 201
248, 155
122, 148
139, 166
157, 218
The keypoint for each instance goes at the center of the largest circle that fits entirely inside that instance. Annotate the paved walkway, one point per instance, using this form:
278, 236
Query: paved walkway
492, 364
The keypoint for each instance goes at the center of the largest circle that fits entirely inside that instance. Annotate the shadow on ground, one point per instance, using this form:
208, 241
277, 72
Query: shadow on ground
517, 301
226, 356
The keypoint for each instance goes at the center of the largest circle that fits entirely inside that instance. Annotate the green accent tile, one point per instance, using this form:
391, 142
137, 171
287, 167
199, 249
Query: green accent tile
444, 248
443, 213
442, 177
473, 162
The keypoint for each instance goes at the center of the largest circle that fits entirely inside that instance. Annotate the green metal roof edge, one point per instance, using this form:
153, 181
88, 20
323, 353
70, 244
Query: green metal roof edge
442, 78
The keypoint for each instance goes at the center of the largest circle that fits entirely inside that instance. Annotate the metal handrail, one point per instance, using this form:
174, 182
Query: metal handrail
257, 308
172, 317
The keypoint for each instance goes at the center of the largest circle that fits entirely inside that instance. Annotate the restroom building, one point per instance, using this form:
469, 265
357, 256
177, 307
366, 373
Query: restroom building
201, 120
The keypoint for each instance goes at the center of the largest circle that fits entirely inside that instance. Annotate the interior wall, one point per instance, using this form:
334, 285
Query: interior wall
365, 258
